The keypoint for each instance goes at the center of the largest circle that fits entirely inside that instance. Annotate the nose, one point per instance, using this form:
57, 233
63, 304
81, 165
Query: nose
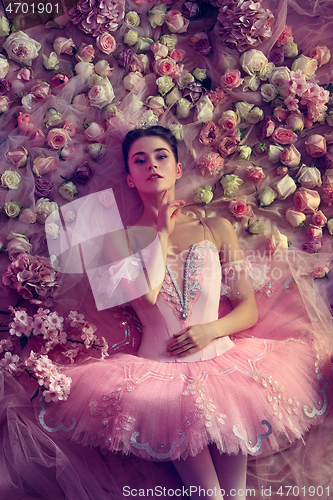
151, 164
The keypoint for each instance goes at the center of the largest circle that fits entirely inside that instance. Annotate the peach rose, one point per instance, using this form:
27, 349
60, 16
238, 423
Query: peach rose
306, 65
294, 217
283, 135
163, 67
290, 156
316, 145
321, 53
295, 121
306, 200
319, 219
280, 113
176, 22
231, 79
277, 241
57, 138
85, 53
314, 232
229, 120
43, 165
255, 174
133, 81
159, 50
41, 90
106, 43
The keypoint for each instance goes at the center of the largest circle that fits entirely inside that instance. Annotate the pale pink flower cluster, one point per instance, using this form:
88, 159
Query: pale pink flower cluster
10, 363
22, 324
306, 93
96, 16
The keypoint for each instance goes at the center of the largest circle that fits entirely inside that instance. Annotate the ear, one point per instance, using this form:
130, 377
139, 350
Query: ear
179, 171
129, 180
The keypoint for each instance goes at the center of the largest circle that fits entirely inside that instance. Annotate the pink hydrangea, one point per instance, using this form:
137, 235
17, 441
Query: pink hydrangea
209, 134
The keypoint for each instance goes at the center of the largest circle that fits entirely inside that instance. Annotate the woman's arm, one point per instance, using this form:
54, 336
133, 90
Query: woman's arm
244, 313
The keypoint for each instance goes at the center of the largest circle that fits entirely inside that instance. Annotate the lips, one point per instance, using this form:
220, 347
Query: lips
154, 176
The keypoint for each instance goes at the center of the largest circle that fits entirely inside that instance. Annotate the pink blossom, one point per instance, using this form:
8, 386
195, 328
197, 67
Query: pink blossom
210, 164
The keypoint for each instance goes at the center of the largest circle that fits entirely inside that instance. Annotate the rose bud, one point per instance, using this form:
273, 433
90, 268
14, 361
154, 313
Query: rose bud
38, 139
316, 145
43, 165
25, 123
59, 80
41, 90
19, 156
96, 150
319, 219
82, 173
314, 232
68, 190
295, 218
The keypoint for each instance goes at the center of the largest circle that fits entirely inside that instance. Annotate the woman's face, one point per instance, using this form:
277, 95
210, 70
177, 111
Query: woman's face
152, 165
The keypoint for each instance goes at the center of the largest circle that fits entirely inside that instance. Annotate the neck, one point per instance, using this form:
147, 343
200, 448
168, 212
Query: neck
152, 204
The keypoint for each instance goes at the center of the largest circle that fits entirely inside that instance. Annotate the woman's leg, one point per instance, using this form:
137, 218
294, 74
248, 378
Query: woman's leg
199, 472
231, 472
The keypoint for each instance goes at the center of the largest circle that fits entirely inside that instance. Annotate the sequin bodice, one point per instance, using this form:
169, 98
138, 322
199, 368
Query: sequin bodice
190, 295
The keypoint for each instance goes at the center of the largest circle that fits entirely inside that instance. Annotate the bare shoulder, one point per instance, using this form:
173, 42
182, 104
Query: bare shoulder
223, 233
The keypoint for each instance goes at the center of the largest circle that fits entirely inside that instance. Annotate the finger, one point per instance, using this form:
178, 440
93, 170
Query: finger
181, 332
184, 351
163, 199
179, 342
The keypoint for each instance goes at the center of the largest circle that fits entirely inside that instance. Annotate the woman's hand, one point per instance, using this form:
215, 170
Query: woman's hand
167, 214
192, 339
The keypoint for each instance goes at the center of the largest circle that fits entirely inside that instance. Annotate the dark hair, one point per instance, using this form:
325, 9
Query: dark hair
155, 130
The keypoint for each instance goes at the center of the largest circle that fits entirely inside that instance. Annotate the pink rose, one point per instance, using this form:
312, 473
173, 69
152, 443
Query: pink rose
319, 219
328, 178
43, 165
283, 135
81, 102
18, 245
321, 54
280, 113
164, 67
70, 127
290, 156
38, 139
229, 120
18, 156
308, 123
316, 145
59, 80
285, 36
265, 128
240, 209
85, 53
281, 170
106, 43
63, 45
321, 271
66, 152
25, 123
209, 134
314, 232
228, 145
27, 216
95, 132
106, 198
4, 104
231, 79
210, 164
159, 50
255, 174
178, 55
295, 121
139, 63
41, 90
176, 22
57, 138
25, 74
306, 200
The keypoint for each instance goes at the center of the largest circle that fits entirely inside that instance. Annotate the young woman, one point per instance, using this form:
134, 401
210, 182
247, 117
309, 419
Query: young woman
192, 394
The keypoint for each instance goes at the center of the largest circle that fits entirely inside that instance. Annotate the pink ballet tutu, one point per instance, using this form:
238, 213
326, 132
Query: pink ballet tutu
163, 411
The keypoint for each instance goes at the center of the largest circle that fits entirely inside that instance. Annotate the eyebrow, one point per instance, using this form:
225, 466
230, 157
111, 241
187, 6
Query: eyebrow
155, 151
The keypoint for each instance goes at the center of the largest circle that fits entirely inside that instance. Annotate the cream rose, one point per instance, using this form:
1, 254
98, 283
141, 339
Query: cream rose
253, 61
309, 177
274, 153
21, 48
205, 109
266, 71
101, 94
277, 242
290, 49
52, 230
4, 27
156, 104
44, 208
68, 190
130, 38
18, 243
251, 82
132, 18
266, 196
231, 183
139, 62
255, 115
295, 121
96, 150
306, 65
280, 78
84, 68
52, 117
285, 187
177, 130
244, 152
294, 217
10, 179
184, 80
321, 53
330, 225
183, 108
268, 92
200, 74
94, 132
12, 209
51, 62
4, 66
159, 50
165, 84
133, 81
62, 45
170, 41
103, 68
243, 109
157, 15
203, 195
172, 97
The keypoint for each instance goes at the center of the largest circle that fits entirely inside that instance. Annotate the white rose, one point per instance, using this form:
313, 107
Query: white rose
294, 217
173, 97
132, 18
255, 115
21, 48
94, 79
266, 71
290, 49
309, 177
52, 118
330, 225
203, 195
130, 38
84, 68
205, 109
200, 74
177, 130
183, 108
285, 187
103, 68
96, 150
277, 241
68, 190
268, 92
169, 40
184, 80
157, 15
253, 61
144, 44
4, 27
328, 178
133, 81
251, 82
165, 84
52, 230
295, 121
51, 62
12, 209
10, 179
306, 65
266, 196
101, 94
274, 153
44, 208
230, 183
243, 109
4, 104
244, 152
156, 104
280, 77
4, 66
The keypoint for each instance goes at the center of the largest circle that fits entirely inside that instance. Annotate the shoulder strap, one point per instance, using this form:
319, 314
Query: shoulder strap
208, 235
